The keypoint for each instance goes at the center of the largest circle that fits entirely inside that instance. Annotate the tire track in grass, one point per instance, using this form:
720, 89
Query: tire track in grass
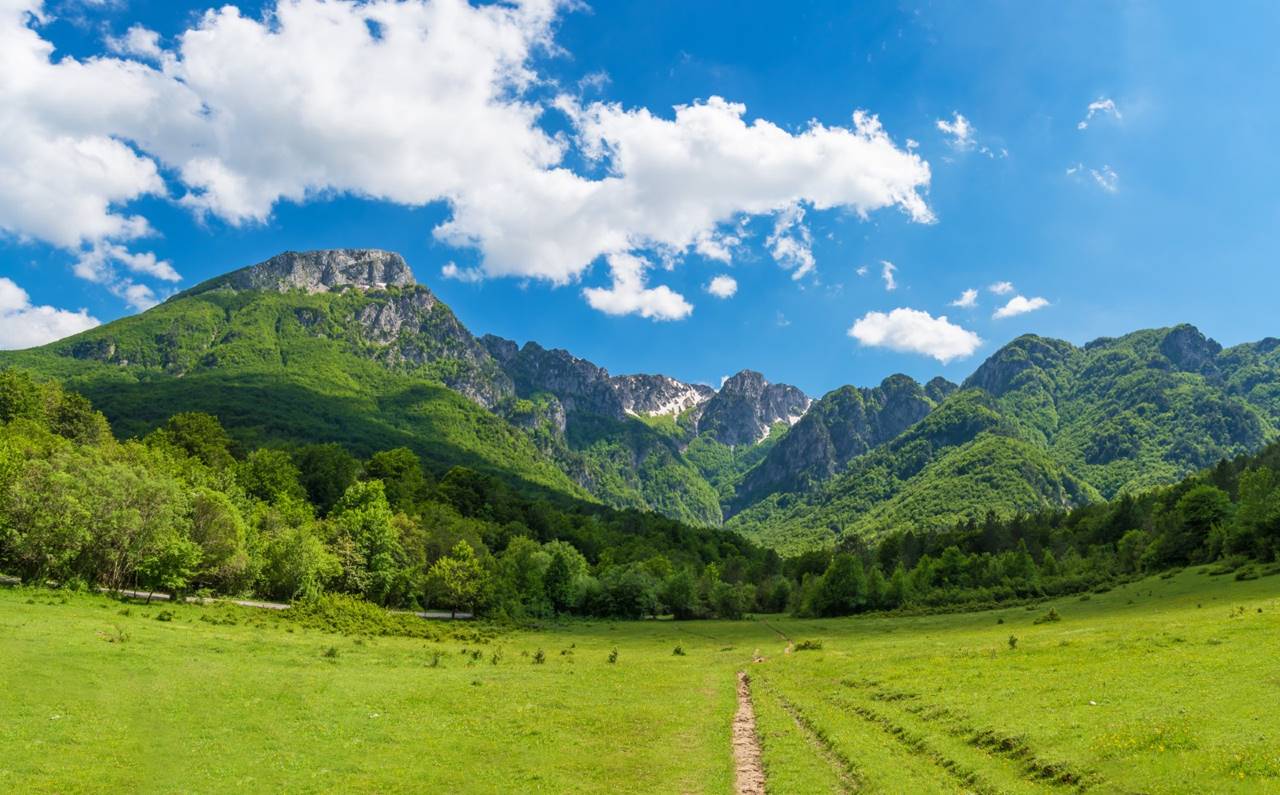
850, 778
748, 769
918, 746
1015, 749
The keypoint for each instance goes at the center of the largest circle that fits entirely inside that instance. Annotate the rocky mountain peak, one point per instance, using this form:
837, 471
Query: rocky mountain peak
747, 406
1190, 350
318, 271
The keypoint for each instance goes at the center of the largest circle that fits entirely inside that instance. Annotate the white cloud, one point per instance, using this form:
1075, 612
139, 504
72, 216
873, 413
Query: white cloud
862, 270
1104, 106
1001, 288
450, 270
25, 326
305, 101
137, 41
967, 300
629, 296
914, 331
887, 269
1106, 178
723, 286
782, 321
791, 243
959, 129
1019, 305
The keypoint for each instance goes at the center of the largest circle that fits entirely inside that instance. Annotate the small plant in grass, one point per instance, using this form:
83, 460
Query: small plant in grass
1049, 617
118, 636
495, 658
678, 651
1000, 620
125, 612
809, 645
434, 660
1247, 573
164, 615
613, 656
1013, 641
330, 653
539, 657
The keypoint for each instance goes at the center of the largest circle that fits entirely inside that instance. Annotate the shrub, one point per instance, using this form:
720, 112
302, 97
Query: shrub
1049, 617
164, 615
1247, 573
539, 657
1013, 641
613, 655
809, 645
330, 653
678, 651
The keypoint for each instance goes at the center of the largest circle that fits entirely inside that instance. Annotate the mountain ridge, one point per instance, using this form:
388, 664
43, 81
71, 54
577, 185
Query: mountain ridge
345, 345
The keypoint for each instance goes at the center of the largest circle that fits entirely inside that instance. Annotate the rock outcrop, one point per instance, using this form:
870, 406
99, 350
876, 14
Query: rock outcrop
747, 406
316, 272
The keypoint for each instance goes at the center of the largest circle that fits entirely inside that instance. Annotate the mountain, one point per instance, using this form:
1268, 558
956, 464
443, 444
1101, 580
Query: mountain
1040, 424
344, 345
316, 346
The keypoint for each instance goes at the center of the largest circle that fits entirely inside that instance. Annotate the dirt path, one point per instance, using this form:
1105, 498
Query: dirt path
748, 769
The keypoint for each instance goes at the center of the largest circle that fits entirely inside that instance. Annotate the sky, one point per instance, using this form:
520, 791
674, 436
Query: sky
826, 192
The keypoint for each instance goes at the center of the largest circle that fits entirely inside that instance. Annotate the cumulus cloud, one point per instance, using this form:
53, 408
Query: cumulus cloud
23, 325
914, 331
247, 112
1019, 305
959, 130
723, 286
1001, 288
628, 294
1101, 106
137, 41
863, 270
450, 270
887, 270
967, 300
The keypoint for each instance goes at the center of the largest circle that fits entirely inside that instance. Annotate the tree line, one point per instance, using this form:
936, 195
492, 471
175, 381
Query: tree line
1230, 514
186, 510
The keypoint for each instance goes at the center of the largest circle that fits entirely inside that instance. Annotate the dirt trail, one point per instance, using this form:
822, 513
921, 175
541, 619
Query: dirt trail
748, 769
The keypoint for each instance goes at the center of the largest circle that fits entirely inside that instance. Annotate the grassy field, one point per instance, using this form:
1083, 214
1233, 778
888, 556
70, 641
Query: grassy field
1166, 685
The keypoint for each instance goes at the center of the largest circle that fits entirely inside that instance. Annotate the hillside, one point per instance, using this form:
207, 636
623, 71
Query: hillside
1043, 424
346, 346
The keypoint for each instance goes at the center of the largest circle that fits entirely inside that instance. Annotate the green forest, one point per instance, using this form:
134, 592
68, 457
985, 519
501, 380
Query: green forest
188, 510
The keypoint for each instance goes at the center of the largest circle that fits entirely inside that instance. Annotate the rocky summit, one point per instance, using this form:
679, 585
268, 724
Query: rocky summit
317, 271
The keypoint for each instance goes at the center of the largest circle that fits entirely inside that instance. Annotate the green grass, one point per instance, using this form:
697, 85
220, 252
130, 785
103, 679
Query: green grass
1164, 685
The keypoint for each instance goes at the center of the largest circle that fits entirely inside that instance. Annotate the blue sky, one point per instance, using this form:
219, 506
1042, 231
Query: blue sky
1162, 209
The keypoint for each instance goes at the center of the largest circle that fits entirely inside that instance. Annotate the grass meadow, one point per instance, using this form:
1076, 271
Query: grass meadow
1169, 684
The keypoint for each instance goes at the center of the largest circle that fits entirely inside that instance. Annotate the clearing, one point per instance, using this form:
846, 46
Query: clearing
1163, 685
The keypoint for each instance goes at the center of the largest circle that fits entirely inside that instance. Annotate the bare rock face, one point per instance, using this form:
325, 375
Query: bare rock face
318, 271
1191, 351
585, 388
747, 405
411, 328
657, 395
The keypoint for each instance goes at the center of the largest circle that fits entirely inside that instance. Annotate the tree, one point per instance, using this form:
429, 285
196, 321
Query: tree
363, 520
400, 471
170, 566
270, 475
680, 594
457, 578
327, 471
219, 530
200, 436
562, 580
844, 587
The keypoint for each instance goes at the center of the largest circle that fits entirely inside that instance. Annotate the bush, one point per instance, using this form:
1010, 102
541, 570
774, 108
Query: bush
1049, 617
1247, 573
164, 615
1013, 641
678, 651
613, 655
809, 645
539, 657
